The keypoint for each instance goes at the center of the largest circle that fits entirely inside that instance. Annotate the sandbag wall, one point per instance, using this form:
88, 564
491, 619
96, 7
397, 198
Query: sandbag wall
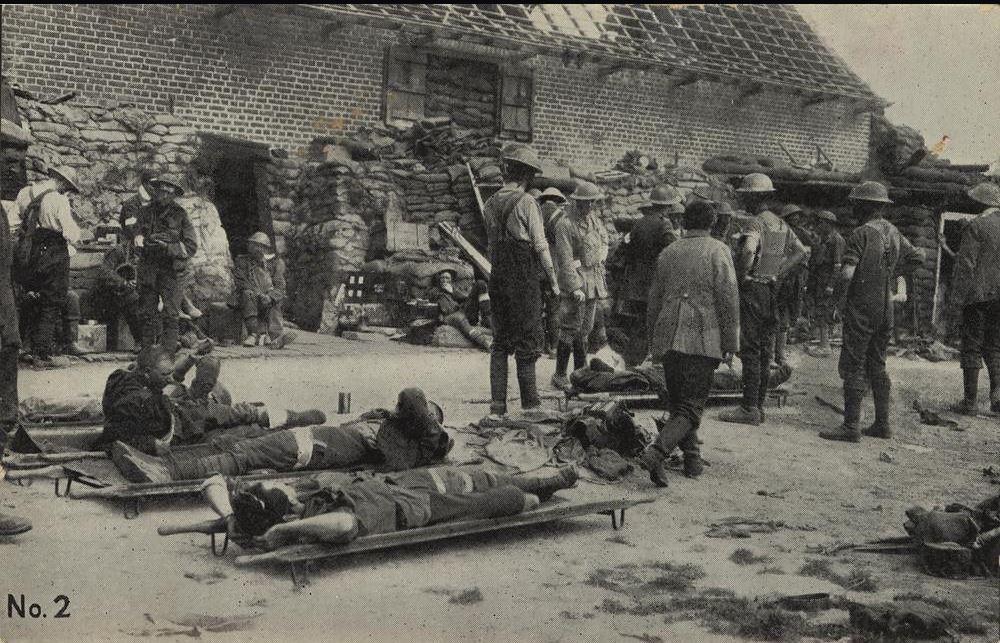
917, 224
465, 90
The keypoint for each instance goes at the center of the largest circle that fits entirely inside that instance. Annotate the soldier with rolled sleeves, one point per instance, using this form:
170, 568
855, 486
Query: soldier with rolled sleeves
165, 241
42, 266
875, 253
767, 253
553, 205
518, 252
580, 250
976, 290
644, 243
791, 293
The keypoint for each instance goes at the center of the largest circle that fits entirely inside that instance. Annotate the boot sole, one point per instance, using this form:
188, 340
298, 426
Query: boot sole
132, 471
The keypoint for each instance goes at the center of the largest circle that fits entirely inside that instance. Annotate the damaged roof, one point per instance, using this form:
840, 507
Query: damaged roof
767, 43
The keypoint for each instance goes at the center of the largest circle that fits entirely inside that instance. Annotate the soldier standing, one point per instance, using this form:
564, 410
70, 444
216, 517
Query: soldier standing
165, 241
580, 250
518, 253
976, 290
553, 205
826, 261
768, 252
875, 250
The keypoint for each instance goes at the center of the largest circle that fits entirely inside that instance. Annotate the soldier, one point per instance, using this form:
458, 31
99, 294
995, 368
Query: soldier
553, 205
580, 250
875, 250
976, 290
825, 263
116, 296
165, 240
766, 254
647, 239
792, 290
518, 252
42, 258
260, 289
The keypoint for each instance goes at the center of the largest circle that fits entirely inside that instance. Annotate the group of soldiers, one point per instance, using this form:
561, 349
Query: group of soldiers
549, 255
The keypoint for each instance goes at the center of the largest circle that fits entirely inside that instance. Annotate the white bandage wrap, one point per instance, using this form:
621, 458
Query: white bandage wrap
304, 441
438, 482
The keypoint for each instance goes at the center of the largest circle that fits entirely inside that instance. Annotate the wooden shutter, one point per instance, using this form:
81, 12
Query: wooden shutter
517, 97
405, 84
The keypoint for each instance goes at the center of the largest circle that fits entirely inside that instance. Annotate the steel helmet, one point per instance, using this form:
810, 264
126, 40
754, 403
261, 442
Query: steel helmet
554, 194
826, 215
534, 193
756, 182
523, 154
663, 195
586, 191
986, 193
723, 207
870, 191
260, 239
66, 173
789, 210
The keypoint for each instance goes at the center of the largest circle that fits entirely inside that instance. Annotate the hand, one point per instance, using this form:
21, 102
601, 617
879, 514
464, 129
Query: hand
828, 290
139, 241
579, 296
555, 289
899, 298
727, 359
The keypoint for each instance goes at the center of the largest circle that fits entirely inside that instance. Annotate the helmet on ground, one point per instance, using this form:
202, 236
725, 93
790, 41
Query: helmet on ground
987, 193
523, 154
553, 194
586, 191
663, 195
870, 191
756, 182
789, 210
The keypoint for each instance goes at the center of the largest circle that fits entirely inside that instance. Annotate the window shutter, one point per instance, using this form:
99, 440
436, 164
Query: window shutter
405, 84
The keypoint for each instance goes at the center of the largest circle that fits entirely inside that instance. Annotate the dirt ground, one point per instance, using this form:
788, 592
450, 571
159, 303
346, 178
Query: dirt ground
123, 581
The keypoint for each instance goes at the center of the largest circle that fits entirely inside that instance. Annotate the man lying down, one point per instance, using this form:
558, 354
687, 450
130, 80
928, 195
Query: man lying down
409, 436
337, 508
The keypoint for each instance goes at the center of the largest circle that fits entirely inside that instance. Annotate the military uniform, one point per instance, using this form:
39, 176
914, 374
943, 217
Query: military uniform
160, 267
976, 289
878, 251
580, 250
758, 269
552, 214
10, 339
824, 266
117, 295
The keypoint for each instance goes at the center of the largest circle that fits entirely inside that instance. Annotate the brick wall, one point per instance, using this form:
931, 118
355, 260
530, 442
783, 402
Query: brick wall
276, 79
591, 122
253, 74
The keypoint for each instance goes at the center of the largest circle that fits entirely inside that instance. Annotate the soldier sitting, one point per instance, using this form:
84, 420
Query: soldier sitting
259, 292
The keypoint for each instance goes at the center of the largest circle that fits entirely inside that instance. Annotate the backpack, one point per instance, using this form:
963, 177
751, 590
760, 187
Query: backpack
23, 245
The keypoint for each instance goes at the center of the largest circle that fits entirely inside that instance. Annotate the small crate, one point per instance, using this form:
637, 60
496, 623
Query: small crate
407, 236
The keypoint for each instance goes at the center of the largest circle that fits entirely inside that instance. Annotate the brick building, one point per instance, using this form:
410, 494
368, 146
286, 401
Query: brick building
585, 82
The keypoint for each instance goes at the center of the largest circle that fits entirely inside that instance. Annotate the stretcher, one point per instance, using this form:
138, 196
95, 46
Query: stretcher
779, 396
299, 558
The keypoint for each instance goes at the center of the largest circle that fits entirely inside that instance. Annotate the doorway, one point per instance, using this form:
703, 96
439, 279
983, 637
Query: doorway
950, 229
238, 169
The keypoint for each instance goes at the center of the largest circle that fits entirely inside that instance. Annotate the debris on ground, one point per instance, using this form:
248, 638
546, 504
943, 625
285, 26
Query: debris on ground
771, 494
467, 597
885, 457
858, 580
932, 418
744, 556
957, 541
736, 527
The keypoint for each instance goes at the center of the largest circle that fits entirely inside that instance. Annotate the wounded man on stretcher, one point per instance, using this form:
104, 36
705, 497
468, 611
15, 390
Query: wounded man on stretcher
601, 377
337, 508
409, 436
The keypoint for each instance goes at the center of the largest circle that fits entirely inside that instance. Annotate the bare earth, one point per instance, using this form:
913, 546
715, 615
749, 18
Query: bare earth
124, 581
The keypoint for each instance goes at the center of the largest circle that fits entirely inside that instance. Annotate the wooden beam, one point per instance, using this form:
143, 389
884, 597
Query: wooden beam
683, 81
817, 99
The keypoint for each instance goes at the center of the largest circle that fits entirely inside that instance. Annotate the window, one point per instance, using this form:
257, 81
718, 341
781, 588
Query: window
405, 85
515, 107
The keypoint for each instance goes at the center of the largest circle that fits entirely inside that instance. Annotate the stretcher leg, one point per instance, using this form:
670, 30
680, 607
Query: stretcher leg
219, 553
130, 508
65, 492
300, 574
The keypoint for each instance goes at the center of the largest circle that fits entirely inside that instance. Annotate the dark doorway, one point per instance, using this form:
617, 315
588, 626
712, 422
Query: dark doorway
238, 170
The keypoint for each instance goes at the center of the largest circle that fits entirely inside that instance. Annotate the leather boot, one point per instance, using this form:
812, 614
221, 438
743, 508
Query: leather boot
527, 384
970, 387
183, 364
881, 392
544, 486
481, 338
206, 466
498, 383
205, 378
579, 354
311, 417
741, 415
73, 338
139, 467
693, 464
559, 379
849, 430
654, 460
993, 367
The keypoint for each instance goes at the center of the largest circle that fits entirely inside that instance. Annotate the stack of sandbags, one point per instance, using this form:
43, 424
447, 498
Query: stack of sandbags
917, 224
417, 269
892, 146
461, 90
212, 264
437, 141
743, 164
282, 181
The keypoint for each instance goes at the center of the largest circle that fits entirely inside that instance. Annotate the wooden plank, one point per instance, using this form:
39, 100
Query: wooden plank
481, 262
302, 553
475, 190
176, 487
